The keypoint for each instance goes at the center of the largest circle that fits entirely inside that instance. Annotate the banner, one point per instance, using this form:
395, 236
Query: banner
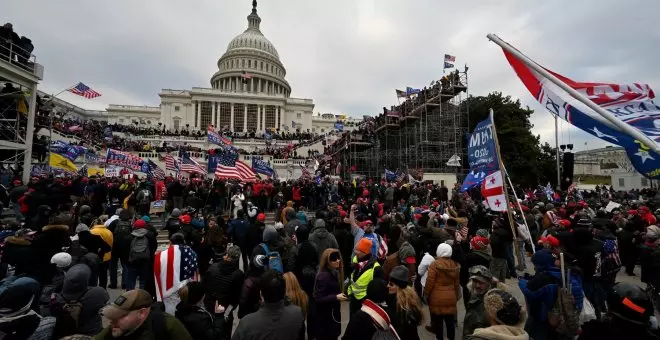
60, 162
69, 151
95, 171
107, 134
262, 167
125, 159
482, 155
39, 169
339, 126
112, 172
157, 207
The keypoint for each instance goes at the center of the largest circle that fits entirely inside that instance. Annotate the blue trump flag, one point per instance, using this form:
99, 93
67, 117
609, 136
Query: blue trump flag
262, 167
390, 176
339, 126
482, 155
64, 149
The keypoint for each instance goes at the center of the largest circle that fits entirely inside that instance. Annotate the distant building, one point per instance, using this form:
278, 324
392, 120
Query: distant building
610, 161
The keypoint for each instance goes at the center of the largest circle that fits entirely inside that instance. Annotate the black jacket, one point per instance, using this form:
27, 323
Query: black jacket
93, 243
273, 321
499, 239
588, 253
200, 323
173, 225
327, 317
223, 282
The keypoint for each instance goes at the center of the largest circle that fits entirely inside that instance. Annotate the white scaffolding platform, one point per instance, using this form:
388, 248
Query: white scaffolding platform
20, 69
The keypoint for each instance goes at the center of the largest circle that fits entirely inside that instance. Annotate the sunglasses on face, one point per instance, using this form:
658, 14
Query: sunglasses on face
334, 257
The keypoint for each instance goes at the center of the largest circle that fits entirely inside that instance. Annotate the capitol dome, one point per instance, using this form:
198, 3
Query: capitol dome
251, 63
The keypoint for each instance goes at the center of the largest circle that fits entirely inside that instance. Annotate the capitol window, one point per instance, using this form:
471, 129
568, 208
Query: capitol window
177, 123
250, 63
262, 65
298, 115
176, 108
243, 63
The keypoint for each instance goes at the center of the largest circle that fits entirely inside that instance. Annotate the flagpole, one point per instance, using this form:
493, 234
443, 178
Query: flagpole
604, 115
50, 128
504, 186
522, 214
558, 187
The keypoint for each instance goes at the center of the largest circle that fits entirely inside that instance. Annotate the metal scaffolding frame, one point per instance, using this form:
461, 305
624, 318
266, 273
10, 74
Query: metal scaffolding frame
430, 130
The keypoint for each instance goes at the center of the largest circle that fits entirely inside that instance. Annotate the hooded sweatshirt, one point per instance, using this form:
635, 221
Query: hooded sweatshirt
321, 238
75, 288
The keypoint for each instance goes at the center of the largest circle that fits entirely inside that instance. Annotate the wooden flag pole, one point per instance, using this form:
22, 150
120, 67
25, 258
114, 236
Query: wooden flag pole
504, 186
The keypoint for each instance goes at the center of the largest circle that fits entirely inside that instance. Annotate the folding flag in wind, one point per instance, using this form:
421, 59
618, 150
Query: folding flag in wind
230, 167
622, 114
84, 91
191, 166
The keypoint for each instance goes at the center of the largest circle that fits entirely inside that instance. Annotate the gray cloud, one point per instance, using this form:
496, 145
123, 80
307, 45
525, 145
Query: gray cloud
347, 55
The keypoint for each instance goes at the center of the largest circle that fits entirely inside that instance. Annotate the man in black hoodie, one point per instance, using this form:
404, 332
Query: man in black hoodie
223, 282
588, 253
499, 241
120, 247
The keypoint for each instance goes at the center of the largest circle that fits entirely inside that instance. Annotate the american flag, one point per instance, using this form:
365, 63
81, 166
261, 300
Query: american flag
450, 58
191, 166
173, 268
246, 75
171, 163
306, 175
231, 168
84, 91
155, 171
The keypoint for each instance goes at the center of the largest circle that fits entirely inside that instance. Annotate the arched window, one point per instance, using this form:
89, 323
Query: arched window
250, 63
243, 63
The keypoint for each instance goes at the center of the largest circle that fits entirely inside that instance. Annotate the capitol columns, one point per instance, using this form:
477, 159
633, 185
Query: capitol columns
231, 118
245, 106
198, 122
214, 121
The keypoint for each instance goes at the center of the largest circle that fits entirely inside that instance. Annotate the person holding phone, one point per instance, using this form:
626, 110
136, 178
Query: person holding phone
328, 295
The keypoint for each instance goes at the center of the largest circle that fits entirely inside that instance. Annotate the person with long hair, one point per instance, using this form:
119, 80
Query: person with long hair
405, 307
328, 288
295, 294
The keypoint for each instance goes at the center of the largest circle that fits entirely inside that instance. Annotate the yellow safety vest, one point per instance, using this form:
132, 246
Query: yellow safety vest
359, 288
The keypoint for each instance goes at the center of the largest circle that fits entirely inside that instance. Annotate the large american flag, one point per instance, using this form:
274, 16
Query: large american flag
171, 163
173, 268
84, 91
191, 166
155, 171
306, 175
230, 167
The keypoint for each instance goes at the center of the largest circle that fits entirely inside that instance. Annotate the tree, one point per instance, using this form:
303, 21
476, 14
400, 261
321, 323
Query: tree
521, 153
547, 163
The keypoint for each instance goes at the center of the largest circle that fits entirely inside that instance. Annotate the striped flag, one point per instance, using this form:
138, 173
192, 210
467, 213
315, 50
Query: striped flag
230, 167
306, 175
173, 268
191, 166
155, 171
84, 91
171, 163
450, 58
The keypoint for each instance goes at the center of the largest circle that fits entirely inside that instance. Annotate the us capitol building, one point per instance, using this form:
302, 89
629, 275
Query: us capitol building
248, 93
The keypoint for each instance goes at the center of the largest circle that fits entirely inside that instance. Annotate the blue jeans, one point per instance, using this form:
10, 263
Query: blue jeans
132, 275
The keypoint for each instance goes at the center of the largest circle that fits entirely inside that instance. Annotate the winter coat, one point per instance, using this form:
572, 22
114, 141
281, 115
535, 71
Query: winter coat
474, 258
588, 252
28, 326
321, 238
475, 314
173, 327
94, 243
499, 239
250, 298
238, 230
223, 282
292, 223
306, 265
19, 253
49, 242
151, 238
405, 322
442, 286
273, 321
107, 237
288, 253
200, 323
327, 318
121, 235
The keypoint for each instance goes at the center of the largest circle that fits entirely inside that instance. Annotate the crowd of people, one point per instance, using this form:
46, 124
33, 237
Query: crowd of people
14, 48
383, 249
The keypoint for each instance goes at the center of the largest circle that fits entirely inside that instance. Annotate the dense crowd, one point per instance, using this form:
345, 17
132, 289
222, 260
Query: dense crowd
387, 249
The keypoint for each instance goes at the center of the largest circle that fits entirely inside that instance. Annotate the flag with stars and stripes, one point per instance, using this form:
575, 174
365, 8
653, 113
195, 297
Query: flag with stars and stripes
171, 163
229, 167
190, 165
155, 172
173, 268
306, 175
84, 91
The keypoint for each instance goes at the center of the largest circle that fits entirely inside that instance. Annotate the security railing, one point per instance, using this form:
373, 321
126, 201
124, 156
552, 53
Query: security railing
17, 55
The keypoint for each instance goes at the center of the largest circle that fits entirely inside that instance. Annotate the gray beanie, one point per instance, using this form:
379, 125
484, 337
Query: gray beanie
319, 223
270, 234
81, 227
176, 212
399, 276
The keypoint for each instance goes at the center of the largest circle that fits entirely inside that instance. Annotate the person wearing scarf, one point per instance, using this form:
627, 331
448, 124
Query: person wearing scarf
365, 269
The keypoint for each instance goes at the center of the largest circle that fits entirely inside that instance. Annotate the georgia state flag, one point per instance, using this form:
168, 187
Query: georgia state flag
492, 190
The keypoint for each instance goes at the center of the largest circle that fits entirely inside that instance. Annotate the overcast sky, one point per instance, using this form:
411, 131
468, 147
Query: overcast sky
347, 55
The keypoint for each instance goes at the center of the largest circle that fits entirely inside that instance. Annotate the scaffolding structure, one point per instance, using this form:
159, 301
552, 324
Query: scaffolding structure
418, 136
19, 76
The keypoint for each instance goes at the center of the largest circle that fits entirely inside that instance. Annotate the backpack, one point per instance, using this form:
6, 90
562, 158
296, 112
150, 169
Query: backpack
611, 261
274, 259
564, 316
68, 314
123, 228
139, 250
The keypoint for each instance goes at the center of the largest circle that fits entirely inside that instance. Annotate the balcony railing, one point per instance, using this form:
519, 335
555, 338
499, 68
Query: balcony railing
16, 55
